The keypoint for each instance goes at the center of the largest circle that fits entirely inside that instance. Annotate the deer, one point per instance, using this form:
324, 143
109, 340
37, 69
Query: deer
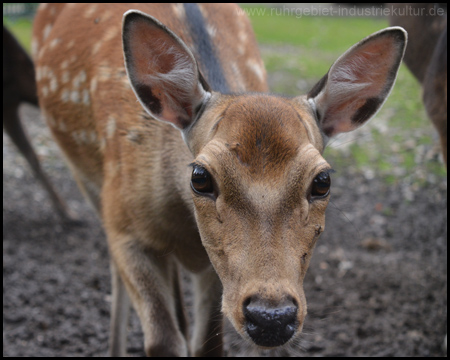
426, 58
19, 86
164, 115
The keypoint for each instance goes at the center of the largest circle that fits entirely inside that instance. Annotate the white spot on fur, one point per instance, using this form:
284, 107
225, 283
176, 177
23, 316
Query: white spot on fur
84, 137
80, 137
111, 33
75, 96
79, 79
133, 135
237, 76
75, 137
96, 47
243, 36
102, 144
203, 11
212, 30
53, 83
110, 127
257, 68
46, 32
65, 96
54, 43
86, 97
92, 10
93, 85
178, 9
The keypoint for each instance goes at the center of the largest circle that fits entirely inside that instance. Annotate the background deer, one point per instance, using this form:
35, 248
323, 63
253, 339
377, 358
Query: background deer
19, 86
215, 175
426, 57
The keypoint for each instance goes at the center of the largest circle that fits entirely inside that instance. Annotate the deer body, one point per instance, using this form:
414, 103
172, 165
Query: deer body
213, 174
426, 57
19, 86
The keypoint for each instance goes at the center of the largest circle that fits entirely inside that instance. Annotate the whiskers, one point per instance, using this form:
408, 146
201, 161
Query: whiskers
345, 217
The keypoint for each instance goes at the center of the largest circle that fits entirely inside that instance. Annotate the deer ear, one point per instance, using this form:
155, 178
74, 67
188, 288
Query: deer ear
162, 70
359, 82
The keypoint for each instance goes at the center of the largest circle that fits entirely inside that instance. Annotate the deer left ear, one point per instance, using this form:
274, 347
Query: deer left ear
359, 82
162, 71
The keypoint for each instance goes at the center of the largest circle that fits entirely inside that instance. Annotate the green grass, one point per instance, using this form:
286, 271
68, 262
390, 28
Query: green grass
312, 32
321, 39
298, 51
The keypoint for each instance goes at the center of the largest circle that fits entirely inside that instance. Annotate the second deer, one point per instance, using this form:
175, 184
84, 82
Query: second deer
426, 57
19, 86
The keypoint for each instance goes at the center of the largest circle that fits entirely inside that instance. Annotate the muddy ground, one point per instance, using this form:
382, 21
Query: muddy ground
377, 285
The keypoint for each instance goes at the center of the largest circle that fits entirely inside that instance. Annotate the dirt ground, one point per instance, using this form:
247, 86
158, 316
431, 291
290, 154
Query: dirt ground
377, 285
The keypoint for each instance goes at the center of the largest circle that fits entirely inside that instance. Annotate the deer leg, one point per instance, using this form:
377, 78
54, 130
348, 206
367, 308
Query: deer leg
207, 338
13, 127
435, 91
437, 111
119, 314
148, 278
179, 304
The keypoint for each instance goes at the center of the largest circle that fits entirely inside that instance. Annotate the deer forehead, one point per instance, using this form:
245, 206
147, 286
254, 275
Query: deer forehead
264, 134
263, 153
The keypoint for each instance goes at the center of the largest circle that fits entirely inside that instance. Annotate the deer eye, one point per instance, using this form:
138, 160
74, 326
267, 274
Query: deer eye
321, 185
201, 181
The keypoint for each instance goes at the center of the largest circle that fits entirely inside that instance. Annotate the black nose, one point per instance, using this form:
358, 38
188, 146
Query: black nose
270, 325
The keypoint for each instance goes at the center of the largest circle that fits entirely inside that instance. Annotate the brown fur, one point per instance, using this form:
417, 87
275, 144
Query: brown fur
250, 240
426, 57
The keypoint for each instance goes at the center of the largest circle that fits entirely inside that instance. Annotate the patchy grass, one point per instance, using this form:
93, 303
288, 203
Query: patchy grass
399, 144
311, 32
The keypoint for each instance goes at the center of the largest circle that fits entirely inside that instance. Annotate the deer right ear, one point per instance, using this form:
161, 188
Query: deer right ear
162, 70
359, 82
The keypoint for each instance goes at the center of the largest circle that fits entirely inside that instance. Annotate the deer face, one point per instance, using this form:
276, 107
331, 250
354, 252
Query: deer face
260, 189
